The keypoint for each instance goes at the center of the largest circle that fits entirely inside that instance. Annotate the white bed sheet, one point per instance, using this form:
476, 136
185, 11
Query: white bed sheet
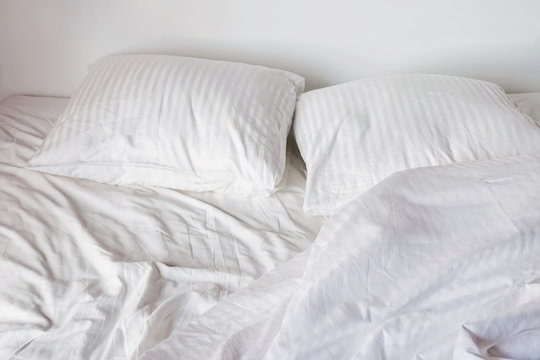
94, 271
99, 272
432, 263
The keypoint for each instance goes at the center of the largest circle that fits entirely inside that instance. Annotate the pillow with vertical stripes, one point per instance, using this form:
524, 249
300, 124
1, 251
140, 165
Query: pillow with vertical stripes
176, 122
353, 135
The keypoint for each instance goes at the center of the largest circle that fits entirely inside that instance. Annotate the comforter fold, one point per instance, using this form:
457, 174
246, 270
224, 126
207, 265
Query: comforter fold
432, 263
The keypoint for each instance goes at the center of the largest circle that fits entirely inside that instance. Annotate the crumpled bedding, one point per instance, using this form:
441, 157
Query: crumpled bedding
432, 263
93, 271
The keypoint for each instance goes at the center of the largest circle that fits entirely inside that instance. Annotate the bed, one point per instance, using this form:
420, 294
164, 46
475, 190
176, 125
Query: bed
106, 263
432, 262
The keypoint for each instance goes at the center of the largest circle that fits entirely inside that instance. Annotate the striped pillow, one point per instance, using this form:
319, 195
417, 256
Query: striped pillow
353, 135
177, 122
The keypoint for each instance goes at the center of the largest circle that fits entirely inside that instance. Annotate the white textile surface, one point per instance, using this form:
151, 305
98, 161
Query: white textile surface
354, 135
24, 123
95, 271
176, 122
432, 263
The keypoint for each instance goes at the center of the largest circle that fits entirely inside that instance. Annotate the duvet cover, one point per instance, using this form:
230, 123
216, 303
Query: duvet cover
95, 271
432, 263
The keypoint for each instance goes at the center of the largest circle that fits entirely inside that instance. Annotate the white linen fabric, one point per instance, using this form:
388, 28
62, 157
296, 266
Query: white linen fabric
528, 103
176, 122
353, 135
95, 271
432, 263
436, 262
24, 122
423, 266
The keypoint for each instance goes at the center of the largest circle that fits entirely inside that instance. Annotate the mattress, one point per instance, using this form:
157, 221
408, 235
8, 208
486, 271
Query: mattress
99, 271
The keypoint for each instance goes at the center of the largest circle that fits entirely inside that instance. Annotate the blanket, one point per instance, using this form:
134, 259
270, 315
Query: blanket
432, 263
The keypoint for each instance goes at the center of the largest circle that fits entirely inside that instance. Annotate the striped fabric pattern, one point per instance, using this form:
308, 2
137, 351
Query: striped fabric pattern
177, 122
354, 135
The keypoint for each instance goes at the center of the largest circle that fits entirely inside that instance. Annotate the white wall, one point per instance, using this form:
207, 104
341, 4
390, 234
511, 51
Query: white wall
46, 45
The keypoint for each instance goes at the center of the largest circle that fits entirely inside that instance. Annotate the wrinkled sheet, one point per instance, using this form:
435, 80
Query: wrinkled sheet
432, 263
93, 271
24, 122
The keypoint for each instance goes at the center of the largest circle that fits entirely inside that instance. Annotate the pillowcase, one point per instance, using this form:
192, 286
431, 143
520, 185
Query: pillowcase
176, 122
529, 104
353, 135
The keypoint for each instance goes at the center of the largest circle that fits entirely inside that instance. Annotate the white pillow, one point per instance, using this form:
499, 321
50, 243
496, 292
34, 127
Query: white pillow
353, 135
529, 104
176, 122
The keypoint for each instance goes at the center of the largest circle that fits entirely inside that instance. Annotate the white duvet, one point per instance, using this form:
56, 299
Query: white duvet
432, 263
93, 271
